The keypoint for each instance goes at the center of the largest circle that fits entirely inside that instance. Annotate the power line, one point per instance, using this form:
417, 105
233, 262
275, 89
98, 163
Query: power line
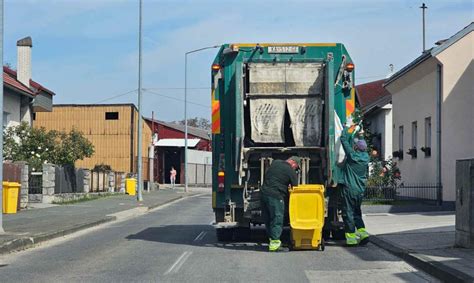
117, 96
371, 77
171, 88
177, 99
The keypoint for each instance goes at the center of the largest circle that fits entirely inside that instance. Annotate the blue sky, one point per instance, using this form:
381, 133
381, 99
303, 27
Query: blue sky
86, 50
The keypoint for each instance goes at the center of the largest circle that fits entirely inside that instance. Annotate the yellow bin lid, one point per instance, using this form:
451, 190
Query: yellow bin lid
307, 207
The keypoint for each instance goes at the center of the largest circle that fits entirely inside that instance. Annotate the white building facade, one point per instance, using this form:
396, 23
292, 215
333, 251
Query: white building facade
433, 98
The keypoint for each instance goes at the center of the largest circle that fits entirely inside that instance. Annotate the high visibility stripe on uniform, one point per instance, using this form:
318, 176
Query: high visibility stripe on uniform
216, 117
350, 104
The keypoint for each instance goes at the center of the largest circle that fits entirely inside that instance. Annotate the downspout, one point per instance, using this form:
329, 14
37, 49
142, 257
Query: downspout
439, 99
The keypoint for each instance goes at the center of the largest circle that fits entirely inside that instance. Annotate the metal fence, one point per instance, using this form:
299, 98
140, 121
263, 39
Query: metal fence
11, 172
68, 180
35, 183
103, 181
199, 174
406, 192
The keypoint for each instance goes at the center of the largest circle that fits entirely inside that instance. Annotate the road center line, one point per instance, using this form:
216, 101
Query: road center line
178, 263
198, 237
182, 262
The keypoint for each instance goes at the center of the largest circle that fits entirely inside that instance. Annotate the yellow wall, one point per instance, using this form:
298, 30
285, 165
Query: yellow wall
111, 138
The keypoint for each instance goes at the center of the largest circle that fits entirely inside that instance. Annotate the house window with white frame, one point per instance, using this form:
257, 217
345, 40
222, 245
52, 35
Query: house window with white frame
414, 140
427, 148
400, 143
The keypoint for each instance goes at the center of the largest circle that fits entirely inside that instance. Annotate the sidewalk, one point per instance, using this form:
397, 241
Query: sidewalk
425, 240
31, 226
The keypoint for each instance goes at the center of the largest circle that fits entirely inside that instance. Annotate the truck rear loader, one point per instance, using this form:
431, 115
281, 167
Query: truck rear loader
272, 101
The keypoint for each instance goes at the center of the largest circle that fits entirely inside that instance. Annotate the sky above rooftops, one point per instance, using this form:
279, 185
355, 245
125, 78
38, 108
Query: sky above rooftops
86, 50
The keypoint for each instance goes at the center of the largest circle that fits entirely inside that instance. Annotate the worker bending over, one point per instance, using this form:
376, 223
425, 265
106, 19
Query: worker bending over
280, 176
355, 173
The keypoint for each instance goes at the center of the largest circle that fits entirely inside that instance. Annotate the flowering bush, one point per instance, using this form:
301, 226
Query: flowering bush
383, 173
39, 146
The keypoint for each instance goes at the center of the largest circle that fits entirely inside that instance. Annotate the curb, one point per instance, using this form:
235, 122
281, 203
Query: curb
28, 242
434, 268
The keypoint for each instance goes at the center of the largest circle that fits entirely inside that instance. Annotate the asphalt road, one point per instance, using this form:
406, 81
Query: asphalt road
176, 244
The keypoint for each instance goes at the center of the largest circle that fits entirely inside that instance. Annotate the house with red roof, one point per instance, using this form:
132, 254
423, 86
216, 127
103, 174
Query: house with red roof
376, 105
22, 96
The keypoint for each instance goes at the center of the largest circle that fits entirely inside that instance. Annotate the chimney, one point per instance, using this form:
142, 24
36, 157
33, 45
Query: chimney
24, 60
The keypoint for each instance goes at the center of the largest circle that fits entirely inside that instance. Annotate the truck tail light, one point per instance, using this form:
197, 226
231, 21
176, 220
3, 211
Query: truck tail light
220, 181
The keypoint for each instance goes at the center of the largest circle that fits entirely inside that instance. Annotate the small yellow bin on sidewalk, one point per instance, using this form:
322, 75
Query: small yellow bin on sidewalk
306, 211
11, 192
131, 186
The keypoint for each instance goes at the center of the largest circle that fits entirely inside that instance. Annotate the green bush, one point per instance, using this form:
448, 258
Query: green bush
39, 146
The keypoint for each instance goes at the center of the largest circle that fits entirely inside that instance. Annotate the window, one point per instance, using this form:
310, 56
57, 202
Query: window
34, 116
400, 138
6, 119
414, 134
427, 148
111, 115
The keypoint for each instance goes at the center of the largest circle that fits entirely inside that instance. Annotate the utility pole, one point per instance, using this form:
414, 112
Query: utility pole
140, 145
1, 117
424, 7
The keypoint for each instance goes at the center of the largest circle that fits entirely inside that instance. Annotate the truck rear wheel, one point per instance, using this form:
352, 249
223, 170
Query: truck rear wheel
242, 234
224, 235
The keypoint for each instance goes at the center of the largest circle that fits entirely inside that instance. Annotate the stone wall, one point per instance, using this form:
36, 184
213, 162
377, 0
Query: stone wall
24, 184
49, 177
87, 180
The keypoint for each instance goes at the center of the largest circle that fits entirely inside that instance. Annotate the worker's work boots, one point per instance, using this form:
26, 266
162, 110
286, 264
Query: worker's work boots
363, 236
274, 245
352, 239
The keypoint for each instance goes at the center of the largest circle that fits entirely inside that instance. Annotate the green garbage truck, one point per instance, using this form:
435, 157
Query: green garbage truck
272, 101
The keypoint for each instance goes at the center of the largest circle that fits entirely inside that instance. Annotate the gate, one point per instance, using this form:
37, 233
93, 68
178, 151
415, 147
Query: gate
35, 183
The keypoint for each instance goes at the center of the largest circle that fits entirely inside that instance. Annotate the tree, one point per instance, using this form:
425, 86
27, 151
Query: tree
197, 122
382, 172
39, 146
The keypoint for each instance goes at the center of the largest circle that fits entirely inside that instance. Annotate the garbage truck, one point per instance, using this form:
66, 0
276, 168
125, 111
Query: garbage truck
272, 101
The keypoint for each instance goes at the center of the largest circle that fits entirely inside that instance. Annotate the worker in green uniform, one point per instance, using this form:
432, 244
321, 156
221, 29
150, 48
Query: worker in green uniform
280, 176
355, 179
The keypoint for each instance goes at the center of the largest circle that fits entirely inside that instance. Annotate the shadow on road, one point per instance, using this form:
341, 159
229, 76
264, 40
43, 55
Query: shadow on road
204, 235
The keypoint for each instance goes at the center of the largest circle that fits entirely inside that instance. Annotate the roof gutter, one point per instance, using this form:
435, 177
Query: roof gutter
18, 90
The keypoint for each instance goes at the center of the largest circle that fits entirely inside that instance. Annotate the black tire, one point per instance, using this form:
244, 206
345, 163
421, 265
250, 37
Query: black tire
242, 234
322, 246
224, 235
338, 234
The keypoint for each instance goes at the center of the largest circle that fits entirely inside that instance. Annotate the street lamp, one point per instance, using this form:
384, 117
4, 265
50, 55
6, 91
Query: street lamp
186, 112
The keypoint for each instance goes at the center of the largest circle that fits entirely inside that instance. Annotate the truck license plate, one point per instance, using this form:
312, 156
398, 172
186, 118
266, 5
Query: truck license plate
283, 49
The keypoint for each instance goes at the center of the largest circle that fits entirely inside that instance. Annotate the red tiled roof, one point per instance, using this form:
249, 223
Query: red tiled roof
369, 93
13, 82
36, 86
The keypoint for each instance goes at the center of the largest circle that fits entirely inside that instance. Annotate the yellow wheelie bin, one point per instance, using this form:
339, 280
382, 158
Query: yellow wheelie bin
131, 186
306, 209
11, 192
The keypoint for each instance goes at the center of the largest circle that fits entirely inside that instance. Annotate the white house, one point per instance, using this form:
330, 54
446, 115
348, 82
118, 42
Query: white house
433, 100
23, 97
376, 105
